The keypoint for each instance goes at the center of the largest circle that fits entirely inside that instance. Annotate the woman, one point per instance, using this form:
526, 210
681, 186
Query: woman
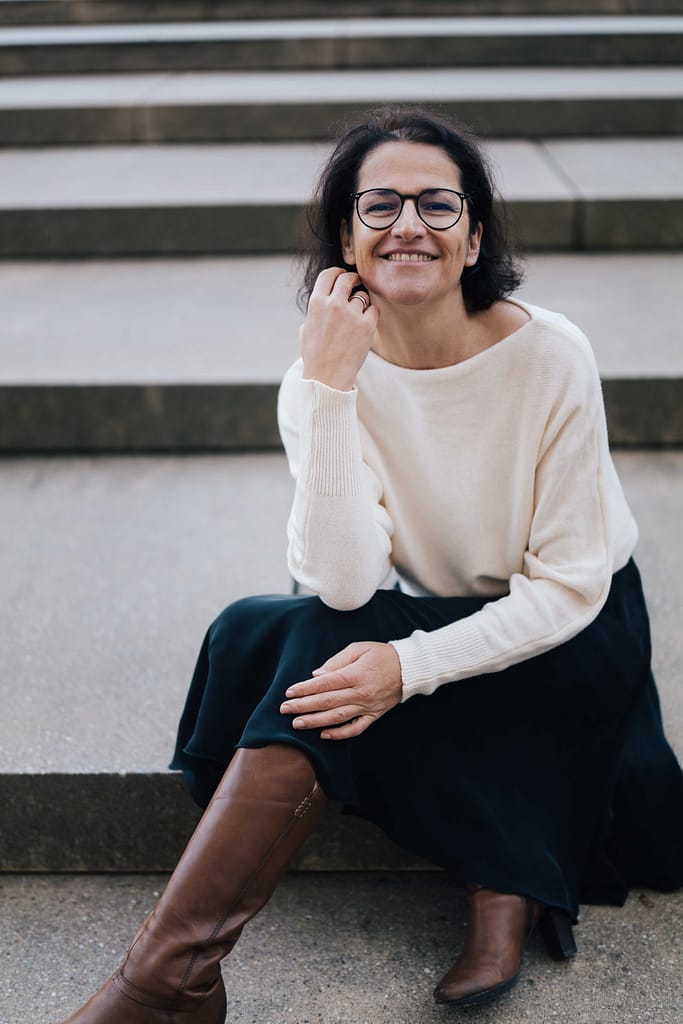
474, 672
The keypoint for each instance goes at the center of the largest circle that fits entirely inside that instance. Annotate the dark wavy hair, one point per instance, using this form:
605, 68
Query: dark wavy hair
498, 271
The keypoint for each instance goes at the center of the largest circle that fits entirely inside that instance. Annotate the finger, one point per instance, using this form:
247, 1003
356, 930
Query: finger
349, 730
359, 300
347, 656
327, 281
328, 680
324, 719
316, 702
344, 284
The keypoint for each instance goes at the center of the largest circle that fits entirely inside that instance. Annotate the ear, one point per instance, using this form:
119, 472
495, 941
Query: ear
473, 246
347, 246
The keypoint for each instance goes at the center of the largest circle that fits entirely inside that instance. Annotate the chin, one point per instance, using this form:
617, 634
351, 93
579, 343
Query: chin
403, 296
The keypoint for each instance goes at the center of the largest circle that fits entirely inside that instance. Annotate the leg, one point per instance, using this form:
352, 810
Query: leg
266, 805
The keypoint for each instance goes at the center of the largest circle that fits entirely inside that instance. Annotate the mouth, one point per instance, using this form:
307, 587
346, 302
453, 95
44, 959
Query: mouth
408, 257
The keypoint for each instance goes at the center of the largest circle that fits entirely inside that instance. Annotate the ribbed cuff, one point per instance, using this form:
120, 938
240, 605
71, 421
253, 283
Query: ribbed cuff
428, 660
332, 461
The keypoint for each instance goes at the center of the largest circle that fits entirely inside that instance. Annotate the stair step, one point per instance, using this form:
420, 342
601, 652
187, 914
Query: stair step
364, 949
302, 105
130, 559
249, 198
187, 354
53, 12
342, 42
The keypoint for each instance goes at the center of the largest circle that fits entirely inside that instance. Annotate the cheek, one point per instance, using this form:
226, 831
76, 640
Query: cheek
362, 260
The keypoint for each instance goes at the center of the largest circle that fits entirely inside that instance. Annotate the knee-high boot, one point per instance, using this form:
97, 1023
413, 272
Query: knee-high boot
266, 805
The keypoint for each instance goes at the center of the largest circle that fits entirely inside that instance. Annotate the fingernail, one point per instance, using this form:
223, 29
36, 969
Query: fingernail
297, 723
289, 692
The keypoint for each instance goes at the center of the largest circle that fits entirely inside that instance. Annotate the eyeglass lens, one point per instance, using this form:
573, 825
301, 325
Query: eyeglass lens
437, 207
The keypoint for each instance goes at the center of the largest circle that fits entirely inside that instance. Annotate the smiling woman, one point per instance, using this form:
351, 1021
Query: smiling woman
408, 260
472, 670
497, 272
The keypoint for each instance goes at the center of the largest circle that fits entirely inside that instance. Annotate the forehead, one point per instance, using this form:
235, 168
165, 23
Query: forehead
408, 166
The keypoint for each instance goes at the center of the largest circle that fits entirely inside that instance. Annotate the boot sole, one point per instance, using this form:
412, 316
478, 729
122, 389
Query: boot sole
486, 996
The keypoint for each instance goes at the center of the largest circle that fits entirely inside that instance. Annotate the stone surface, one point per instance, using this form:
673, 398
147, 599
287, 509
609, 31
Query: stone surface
222, 320
26, 12
301, 105
187, 354
342, 42
616, 170
87, 178
148, 418
644, 413
229, 320
112, 570
64, 418
91, 823
227, 198
340, 949
383, 86
178, 176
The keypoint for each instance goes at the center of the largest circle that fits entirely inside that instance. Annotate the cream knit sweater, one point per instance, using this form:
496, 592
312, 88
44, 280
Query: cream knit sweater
491, 477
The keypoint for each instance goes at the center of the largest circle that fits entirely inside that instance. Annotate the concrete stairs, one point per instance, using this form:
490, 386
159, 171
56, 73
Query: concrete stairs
92, 12
186, 355
248, 198
300, 105
149, 211
340, 949
112, 570
344, 42
134, 278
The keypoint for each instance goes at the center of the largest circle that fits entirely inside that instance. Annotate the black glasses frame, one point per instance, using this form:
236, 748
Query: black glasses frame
416, 199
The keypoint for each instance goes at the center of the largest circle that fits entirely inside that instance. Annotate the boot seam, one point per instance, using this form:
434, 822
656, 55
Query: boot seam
129, 990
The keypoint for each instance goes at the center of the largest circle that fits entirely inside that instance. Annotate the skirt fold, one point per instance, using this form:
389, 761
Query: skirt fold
551, 778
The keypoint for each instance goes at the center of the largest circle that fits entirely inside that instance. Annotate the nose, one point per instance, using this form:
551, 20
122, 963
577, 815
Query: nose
408, 224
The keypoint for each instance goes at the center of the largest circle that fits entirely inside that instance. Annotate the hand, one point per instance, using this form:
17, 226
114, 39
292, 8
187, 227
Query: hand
349, 692
338, 331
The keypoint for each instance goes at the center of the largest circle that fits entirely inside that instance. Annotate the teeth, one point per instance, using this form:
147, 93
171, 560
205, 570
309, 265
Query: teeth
409, 257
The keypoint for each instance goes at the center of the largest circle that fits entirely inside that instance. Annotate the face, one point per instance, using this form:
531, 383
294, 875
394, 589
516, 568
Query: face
409, 263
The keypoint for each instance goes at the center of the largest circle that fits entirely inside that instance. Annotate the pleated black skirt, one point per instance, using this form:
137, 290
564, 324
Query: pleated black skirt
552, 778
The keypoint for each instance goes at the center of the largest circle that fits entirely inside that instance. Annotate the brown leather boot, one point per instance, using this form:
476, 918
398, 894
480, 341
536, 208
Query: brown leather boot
499, 925
266, 805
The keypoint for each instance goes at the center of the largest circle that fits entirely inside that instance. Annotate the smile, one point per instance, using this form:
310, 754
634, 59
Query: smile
408, 257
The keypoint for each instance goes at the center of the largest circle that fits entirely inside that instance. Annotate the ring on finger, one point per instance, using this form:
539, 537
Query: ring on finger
363, 298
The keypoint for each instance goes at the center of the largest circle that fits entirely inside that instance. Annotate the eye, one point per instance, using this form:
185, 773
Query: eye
440, 202
379, 203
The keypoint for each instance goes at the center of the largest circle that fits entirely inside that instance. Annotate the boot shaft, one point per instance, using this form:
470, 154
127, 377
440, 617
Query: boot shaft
265, 807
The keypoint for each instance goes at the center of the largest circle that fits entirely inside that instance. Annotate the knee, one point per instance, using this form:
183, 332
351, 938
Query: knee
237, 615
252, 614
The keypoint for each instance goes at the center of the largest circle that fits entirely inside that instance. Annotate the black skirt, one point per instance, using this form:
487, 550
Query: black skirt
552, 778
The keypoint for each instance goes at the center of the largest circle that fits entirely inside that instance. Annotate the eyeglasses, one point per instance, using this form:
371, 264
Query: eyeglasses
438, 208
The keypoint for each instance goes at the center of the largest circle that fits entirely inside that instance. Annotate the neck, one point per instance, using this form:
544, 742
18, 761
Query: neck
422, 339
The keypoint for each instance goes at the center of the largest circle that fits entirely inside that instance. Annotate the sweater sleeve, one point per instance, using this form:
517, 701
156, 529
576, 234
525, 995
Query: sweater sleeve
566, 570
339, 533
